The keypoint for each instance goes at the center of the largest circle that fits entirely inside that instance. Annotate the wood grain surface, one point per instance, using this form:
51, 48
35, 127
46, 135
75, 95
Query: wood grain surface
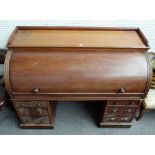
78, 72
77, 37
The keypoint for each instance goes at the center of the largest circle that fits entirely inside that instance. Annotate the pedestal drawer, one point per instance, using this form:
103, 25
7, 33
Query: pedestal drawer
33, 111
122, 103
120, 110
36, 114
30, 104
119, 113
35, 120
113, 118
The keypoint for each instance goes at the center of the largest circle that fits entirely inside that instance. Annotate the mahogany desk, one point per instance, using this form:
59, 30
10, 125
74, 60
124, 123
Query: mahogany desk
48, 64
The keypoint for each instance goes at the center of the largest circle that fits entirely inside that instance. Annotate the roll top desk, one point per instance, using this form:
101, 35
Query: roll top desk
48, 64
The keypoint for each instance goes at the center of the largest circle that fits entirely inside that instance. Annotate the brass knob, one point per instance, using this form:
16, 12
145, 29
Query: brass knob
129, 110
113, 118
21, 105
36, 90
116, 102
39, 104
122, 91
40, 111
23, 112
125, 119
114, 110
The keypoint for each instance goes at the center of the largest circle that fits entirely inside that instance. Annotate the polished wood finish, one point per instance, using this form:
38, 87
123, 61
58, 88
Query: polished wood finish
46, 64
93, 73
77, 37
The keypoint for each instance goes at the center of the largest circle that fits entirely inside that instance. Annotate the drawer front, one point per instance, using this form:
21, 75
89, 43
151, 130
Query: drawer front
32, 111
122, 103
120, 110
113, 118
83, 71
35, 120
24, 104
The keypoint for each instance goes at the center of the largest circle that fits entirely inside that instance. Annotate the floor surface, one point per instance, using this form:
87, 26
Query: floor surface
75, 118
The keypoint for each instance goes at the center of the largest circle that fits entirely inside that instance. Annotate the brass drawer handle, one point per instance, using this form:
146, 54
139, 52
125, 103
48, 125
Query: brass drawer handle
35, 90
40, 111
132, 103
24, 112
112, 119
114, 110
116, 102
21, 104
39, 104
125, 119
122, 91
129, 110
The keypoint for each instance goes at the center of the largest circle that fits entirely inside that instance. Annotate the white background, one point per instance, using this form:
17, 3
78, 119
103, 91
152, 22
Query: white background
77, 12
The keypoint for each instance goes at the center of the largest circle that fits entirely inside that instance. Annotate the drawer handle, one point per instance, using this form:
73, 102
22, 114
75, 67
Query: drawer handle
125, 119
114, 110
21, 105
132, 102
39, 104
129, 110
116, 102
122, 91
24, 112
39, 111
35, 90
112, 119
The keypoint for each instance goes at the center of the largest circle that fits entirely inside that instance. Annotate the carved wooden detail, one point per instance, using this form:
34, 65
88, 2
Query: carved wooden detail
35, 113
119, 113
35, 120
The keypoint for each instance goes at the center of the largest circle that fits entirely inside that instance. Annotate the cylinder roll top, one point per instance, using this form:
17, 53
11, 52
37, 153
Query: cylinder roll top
78, 72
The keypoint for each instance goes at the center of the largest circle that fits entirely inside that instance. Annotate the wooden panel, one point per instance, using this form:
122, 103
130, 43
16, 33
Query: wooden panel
34, 111
113, 118
35, 120
119, 114
73, 72
76, 37
37, 115
123, 103
120, 110
30, 104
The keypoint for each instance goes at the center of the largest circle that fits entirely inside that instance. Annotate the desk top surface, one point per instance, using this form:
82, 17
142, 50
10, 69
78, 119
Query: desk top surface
77, 37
